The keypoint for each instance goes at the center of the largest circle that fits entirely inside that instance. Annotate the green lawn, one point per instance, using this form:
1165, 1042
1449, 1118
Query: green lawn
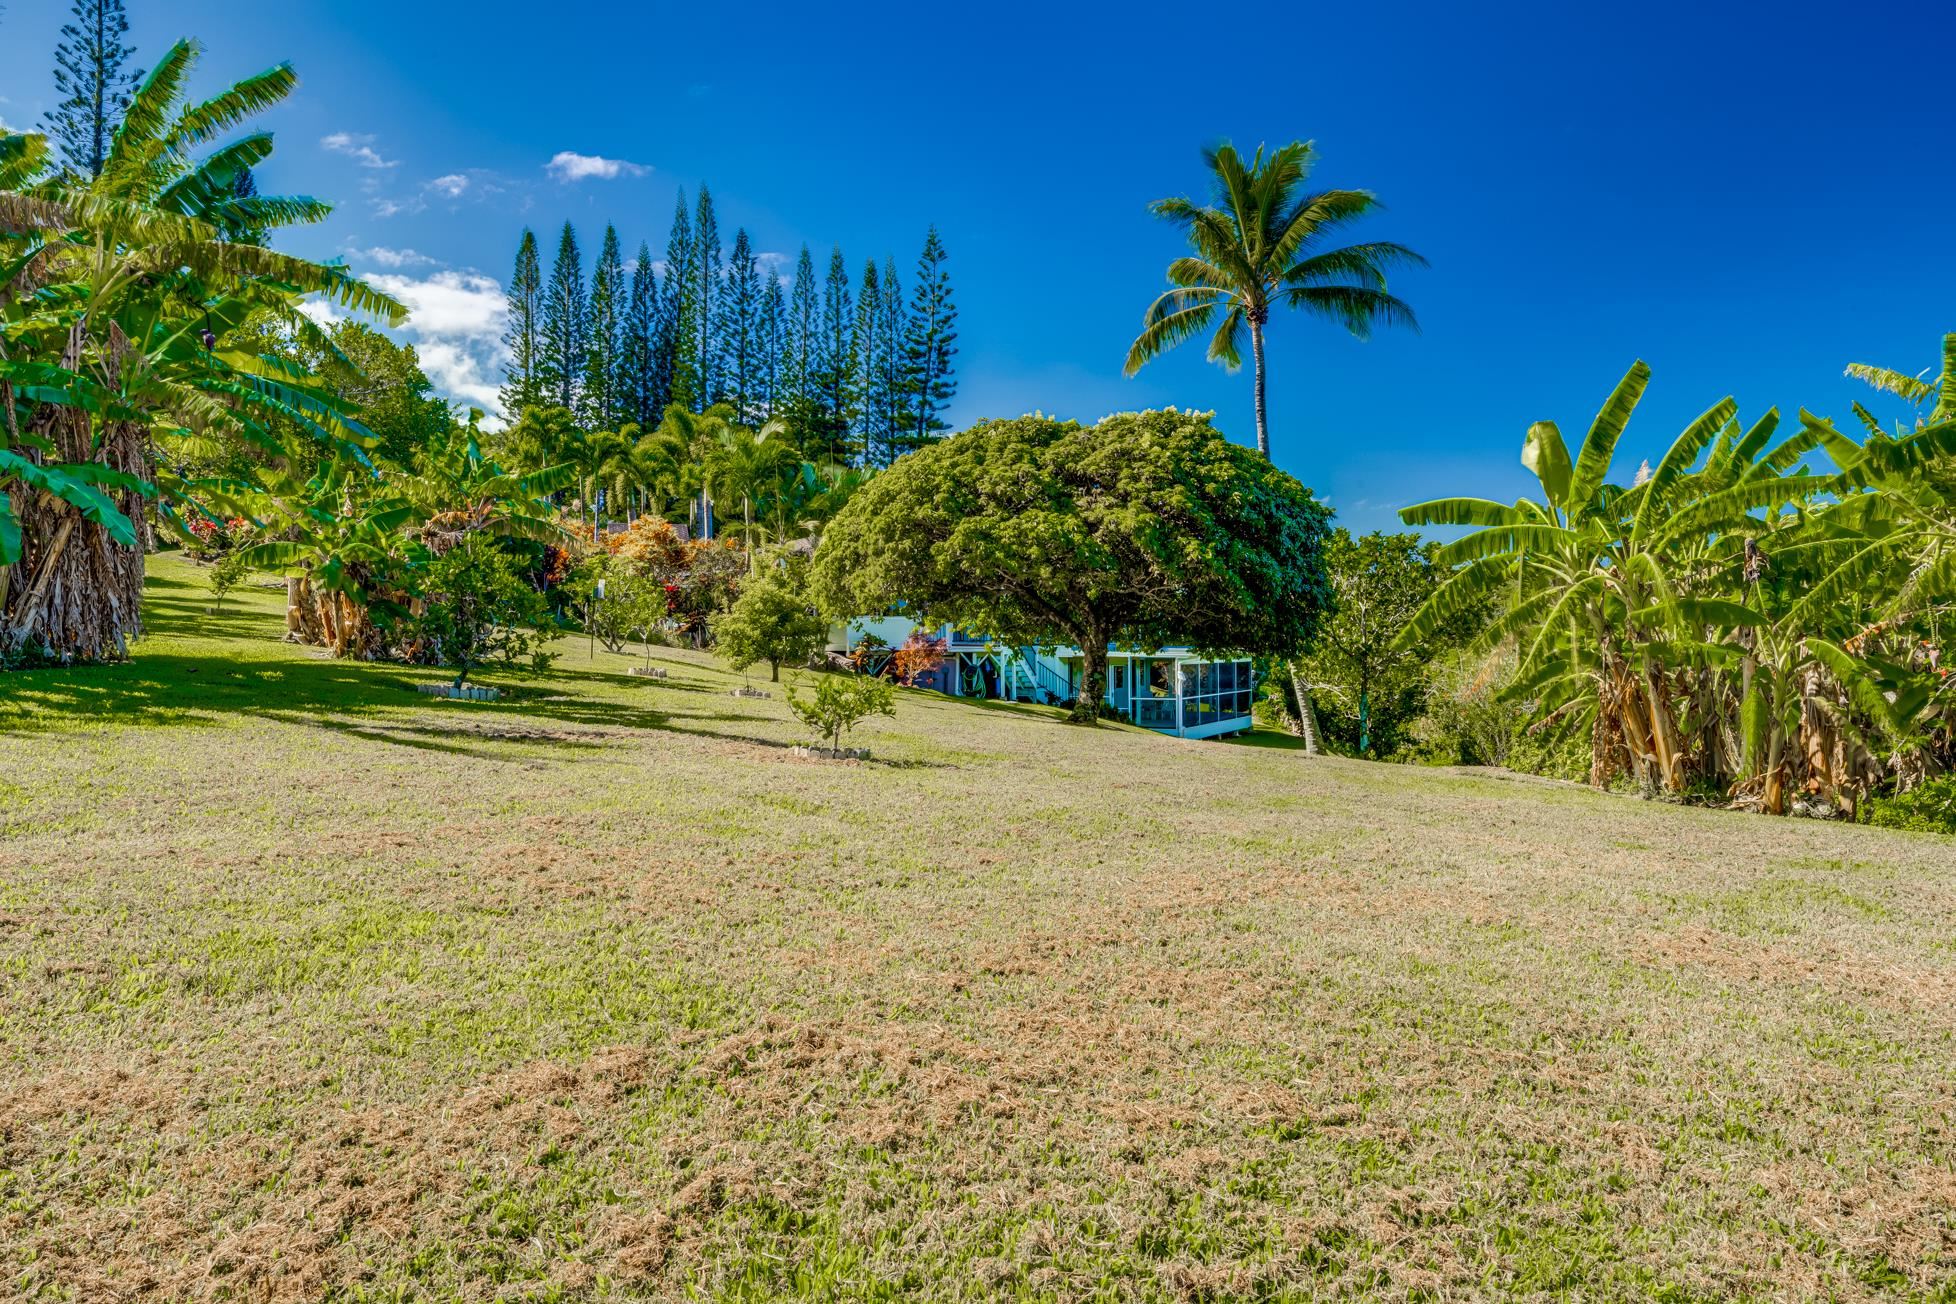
313, 987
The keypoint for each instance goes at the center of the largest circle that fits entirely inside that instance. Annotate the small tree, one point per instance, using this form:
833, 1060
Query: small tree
604, 590
642, 607
840, 703
772, 620
1370, 685
227, 572
478, 609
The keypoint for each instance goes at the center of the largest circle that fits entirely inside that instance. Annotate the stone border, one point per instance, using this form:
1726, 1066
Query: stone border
467, 692
750, 692
647, 672
833, 753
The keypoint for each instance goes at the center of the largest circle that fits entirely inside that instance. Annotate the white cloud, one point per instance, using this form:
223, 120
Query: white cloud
451, 185
394, 257
567, 166
384, 207
448, 304
456, 321
458, 373
355, 147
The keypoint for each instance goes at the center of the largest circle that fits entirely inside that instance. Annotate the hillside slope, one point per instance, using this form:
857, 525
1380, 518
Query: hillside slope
313, 986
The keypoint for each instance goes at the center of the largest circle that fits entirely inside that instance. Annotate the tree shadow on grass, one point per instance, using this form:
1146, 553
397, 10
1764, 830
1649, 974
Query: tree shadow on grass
245, 669
1270, 739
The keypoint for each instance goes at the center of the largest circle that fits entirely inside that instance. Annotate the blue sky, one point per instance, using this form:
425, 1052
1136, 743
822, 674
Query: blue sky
1747, 197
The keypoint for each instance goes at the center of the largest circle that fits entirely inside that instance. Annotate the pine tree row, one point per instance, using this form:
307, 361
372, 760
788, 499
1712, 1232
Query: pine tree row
854, 373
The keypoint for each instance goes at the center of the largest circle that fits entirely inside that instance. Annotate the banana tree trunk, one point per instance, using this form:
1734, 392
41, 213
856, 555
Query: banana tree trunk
79, 597
1667, 752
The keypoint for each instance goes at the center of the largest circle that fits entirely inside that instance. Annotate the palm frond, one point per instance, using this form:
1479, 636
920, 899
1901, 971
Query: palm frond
1599, 446
243, 99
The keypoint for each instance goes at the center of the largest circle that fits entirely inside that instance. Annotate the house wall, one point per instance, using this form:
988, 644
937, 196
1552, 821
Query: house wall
1057, 670
892, 630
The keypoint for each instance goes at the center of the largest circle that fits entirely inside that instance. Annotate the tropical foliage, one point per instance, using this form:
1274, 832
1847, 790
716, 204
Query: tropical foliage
1740, 620
121, 296
1357, 682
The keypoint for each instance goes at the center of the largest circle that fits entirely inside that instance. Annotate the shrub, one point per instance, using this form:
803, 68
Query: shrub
205, 539
479, 609
840, 703
1928, 807
920, 655
1472, 720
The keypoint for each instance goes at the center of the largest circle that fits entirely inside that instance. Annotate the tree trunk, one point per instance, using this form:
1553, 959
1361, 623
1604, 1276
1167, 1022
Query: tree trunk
774, 672
1665, 746
1093, 681
83, 596
304, 622
1262, 416
1307, 712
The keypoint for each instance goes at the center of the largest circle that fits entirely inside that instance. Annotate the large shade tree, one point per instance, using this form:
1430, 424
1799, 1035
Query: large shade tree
1146, 530
1261, 243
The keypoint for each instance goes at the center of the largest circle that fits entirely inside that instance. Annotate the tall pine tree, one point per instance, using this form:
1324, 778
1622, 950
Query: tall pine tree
523, 341
91, 86
889, 379
740, 328
603, 322
929, 344
804, 333
835, 363
565, 339
866, 356
774, 344
705, 269
677, 341
637, 385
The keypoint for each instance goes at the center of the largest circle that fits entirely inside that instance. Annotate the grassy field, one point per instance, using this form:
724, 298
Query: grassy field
312, 987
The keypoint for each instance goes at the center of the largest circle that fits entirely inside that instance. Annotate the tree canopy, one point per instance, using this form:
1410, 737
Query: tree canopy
1147, 529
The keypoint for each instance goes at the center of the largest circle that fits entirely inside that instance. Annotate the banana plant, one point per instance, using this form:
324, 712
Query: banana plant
116, 301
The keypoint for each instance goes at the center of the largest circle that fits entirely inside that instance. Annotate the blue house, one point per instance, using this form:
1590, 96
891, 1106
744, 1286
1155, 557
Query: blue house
1171, 690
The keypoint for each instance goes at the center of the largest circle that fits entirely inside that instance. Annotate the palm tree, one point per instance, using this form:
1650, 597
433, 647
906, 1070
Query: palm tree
657, 467
749, 466
1258, 245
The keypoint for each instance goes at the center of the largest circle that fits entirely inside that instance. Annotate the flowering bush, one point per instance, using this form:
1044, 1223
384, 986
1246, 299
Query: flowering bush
701, 577
209, 539
920, 655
